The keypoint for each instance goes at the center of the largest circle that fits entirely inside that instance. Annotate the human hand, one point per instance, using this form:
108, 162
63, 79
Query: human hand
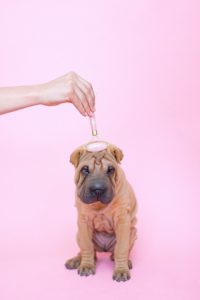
69, 88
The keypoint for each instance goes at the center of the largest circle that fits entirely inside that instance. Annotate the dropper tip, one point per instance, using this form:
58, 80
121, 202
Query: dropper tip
94, 132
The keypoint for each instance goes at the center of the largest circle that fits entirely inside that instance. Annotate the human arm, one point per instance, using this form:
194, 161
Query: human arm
69, 88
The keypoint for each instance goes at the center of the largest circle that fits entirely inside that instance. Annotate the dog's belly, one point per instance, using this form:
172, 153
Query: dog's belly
103, 234
103, 241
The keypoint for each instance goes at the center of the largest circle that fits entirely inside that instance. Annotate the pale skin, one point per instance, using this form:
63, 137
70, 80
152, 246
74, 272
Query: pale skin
69, 88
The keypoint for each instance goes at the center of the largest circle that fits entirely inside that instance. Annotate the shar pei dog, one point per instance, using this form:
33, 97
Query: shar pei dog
106, 207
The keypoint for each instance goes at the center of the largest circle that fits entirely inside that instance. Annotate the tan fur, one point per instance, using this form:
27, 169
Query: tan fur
104, 227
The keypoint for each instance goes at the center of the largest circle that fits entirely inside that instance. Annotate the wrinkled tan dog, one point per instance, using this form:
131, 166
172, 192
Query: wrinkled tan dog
106, 207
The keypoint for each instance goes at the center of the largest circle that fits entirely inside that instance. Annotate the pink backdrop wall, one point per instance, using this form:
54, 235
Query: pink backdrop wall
143, 60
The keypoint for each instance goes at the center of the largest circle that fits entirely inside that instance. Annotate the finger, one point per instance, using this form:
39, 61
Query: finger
88, 96
88, 90
83, 99
89, 86
77, 103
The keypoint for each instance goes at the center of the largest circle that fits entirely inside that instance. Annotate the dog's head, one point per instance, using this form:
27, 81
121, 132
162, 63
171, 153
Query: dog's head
96, 173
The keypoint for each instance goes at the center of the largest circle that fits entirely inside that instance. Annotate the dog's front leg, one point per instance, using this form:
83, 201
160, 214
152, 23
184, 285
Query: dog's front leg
122, 248
87, 266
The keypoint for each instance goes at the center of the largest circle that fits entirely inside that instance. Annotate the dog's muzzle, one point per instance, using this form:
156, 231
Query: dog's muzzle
97, 190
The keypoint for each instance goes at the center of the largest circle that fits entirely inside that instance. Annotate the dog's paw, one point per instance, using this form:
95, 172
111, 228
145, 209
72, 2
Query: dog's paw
73, 263
121, 275
86, 270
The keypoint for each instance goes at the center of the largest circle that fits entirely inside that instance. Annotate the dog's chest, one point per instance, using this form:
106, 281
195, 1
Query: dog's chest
103, 223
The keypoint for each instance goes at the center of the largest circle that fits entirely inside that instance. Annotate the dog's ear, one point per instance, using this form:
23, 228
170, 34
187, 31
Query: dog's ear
76, 155
116, 152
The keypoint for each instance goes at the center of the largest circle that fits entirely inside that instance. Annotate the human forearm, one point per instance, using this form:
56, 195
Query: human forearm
14, 98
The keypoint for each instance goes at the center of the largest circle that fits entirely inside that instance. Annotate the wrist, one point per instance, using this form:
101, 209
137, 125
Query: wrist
38, 93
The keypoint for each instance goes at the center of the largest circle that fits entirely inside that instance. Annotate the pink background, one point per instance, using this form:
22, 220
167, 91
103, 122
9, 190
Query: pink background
143, 60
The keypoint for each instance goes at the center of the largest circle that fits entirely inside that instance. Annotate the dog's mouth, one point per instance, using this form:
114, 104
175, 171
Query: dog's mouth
89, 196
89, 200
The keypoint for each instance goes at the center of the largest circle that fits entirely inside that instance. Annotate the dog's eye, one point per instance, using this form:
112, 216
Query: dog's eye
110, 170
85, 170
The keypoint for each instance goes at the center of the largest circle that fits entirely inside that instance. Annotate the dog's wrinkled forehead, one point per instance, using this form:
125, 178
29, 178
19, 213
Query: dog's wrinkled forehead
112, 153
96, 157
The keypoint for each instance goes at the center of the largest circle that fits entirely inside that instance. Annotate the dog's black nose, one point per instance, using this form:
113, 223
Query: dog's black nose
98, 189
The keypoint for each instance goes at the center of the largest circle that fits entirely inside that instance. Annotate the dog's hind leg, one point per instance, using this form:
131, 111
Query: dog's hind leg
112, 256
74, 262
